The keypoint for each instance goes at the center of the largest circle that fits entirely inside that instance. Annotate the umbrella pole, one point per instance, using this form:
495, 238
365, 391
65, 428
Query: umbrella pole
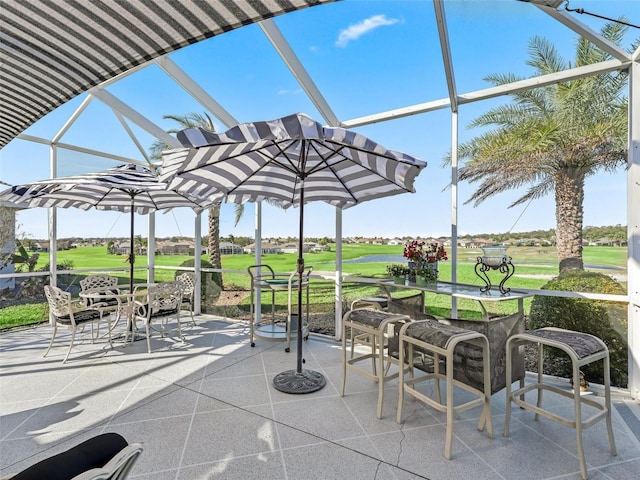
132, 255
132, 260
300, 266
299, 380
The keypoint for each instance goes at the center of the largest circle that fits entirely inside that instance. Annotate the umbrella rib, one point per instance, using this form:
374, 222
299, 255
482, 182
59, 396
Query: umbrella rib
270, 161
257, 149
330, 167
336, 152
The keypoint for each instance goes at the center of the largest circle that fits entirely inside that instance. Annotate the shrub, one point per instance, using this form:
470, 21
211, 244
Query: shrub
603, 319
210, 283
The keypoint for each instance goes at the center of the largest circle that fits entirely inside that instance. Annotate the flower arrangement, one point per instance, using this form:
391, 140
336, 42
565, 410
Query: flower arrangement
419, 252
427, 273
435, 253
414, 251
397, 270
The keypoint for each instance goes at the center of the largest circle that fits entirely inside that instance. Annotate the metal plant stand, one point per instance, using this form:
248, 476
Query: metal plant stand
494, 258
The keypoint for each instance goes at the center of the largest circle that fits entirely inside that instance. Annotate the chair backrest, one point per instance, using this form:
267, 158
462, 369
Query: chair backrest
117, 468
164, 296
98, 282
188, 280
59, 301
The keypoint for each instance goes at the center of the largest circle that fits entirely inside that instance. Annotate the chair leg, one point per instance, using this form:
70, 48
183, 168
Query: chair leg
344, 360
378, 349
148, 335
53, 337
449, 395
508, 381
109, 328
402, 356
95, 336
180, 335
73, 336
193, 320
578, 419
607, 400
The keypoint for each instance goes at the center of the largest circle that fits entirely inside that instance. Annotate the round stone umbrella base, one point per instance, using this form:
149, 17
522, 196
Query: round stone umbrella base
307, 381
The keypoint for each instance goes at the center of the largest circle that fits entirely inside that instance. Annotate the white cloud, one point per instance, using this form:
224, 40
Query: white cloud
286, 91
356, 30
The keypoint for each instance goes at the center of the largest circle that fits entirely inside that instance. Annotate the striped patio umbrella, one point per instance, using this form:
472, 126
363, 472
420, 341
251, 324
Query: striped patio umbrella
291, 160
126, 188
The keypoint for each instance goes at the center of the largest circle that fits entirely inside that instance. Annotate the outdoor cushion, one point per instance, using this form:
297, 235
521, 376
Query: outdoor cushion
92, 453
80, 317
108, 301
581, 343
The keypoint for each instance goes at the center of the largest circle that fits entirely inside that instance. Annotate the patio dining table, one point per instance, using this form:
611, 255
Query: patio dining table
128, 301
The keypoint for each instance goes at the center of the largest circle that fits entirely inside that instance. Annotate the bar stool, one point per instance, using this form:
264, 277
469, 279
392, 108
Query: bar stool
372, 328
438, 339
583, 349
379, 303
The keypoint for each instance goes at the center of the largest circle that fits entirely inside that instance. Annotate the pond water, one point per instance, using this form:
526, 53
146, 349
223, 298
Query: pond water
374, 259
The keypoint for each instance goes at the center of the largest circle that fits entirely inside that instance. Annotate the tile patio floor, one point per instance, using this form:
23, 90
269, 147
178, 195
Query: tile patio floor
207, 409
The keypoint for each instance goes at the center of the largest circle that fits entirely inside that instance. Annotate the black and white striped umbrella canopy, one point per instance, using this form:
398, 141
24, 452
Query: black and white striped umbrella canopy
126, 188
273, 159
53, 50
121, 188
292, 160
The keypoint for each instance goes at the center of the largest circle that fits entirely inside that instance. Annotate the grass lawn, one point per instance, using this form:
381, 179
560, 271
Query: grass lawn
534, 266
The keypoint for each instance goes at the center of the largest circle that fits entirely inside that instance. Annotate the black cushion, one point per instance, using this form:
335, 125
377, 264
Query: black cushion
82, 316
108, 301
164, 313
92, 453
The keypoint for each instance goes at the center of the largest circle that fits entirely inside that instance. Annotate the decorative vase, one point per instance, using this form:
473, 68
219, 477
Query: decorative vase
399, 280
412, 271
494, 258
424, 281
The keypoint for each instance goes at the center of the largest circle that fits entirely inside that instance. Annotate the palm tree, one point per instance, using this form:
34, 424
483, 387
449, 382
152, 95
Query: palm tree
552, 138
191, 120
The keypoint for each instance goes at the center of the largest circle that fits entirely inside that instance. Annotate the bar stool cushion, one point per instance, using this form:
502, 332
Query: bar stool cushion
368, 317
433, 332
582, 344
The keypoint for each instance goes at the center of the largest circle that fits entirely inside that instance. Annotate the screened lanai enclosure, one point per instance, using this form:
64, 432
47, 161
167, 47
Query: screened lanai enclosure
88, 86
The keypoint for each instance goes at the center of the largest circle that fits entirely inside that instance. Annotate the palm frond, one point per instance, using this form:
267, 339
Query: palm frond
544, 57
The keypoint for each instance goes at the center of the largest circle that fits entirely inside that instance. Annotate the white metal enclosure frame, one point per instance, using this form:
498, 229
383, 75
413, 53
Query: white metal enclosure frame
40, 20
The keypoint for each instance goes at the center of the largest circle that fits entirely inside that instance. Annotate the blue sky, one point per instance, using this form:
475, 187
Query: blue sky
365, 57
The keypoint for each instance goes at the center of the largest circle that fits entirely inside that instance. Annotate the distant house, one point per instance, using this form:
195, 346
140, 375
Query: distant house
228, 248
267, 248
41, 247
174, 248
290, 248
609, 242
476, 243
395, 241
125, 248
